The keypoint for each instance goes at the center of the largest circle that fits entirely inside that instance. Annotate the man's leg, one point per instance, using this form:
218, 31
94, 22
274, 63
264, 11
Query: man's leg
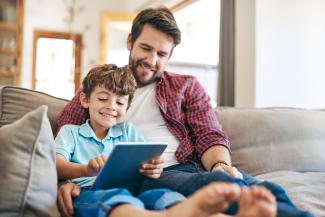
187, 178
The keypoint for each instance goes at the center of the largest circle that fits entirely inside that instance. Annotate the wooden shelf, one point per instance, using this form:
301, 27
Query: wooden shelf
11, 42
8, 51
7, 74
8, 26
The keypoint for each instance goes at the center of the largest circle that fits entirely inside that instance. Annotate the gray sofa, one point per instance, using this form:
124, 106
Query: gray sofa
283, 145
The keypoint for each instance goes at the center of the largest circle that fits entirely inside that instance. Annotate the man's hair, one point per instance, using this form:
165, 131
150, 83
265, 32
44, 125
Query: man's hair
161, 19
118, 80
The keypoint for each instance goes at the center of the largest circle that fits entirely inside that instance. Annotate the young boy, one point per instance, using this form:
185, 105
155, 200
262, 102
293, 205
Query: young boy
82, 150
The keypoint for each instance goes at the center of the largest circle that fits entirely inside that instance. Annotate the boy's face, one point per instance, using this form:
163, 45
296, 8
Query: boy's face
105, 108
149, 54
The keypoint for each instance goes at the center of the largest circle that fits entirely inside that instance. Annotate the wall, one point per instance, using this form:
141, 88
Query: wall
288, 68
50, 14
290, 43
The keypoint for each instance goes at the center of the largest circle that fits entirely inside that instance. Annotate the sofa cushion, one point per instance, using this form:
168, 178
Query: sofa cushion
15, 102
28, 182
306, 190
266, 140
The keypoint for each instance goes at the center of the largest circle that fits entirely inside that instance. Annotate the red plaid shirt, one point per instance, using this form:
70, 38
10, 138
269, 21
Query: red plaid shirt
186, 110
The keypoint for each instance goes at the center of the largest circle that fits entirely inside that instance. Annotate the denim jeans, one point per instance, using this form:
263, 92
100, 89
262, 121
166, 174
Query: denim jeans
186, 178
99, 203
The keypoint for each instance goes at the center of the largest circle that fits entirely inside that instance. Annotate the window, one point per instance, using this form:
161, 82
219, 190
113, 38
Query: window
56, 63
198, 53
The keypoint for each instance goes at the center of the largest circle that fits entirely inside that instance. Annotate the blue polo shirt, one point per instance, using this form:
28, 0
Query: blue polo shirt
79, 144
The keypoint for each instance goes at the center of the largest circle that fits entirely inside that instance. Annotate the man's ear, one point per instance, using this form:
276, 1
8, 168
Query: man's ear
130, 42
84, 100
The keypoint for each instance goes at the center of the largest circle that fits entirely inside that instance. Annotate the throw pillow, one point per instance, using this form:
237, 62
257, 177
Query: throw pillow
28, 182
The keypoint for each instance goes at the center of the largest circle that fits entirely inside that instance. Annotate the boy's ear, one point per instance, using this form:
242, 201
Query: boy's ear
84, 100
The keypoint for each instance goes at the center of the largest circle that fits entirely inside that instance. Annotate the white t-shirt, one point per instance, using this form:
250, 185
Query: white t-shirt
145, 115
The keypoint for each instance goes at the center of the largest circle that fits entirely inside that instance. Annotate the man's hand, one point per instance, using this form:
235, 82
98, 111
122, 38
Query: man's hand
94, 166
152, 168
66, 192
233, 171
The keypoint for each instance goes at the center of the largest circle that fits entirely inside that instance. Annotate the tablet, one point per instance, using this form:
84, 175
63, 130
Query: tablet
121, 169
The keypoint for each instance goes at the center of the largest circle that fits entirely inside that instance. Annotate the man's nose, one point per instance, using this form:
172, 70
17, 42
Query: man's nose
152, 59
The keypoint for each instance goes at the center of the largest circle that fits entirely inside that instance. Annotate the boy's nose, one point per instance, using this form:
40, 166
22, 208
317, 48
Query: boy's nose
111, 104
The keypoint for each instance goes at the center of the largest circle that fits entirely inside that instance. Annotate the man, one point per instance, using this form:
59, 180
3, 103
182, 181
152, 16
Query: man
175, 109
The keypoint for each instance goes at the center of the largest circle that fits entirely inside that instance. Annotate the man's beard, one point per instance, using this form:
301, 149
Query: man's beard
140, 82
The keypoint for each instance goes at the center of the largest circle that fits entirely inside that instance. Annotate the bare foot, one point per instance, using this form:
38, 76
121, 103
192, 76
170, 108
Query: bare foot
209, 200
256, 202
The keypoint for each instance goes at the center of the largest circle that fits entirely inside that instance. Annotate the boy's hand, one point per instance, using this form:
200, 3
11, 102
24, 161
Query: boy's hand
152, 168
94, 165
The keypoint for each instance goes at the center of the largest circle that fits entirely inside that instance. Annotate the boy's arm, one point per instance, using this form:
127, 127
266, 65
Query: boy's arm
68, 170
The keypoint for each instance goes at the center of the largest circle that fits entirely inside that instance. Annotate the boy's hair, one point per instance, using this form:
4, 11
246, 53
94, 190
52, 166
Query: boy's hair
118, 80
161, 19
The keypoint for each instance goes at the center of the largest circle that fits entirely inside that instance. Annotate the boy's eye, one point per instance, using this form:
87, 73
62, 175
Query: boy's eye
102, 99
120, 103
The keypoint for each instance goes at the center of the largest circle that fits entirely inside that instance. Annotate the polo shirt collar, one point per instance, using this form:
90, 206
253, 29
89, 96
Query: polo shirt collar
85, 130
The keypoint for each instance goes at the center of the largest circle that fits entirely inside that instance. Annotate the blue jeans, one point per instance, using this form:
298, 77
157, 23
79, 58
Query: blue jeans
186, 178
99, 203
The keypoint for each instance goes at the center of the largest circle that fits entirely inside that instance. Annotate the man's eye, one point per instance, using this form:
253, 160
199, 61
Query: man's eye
102, 99
162, 54
146, 48
120, 103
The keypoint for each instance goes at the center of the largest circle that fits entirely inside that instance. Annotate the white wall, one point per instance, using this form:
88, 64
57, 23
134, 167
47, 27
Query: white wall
49, 15
290, 53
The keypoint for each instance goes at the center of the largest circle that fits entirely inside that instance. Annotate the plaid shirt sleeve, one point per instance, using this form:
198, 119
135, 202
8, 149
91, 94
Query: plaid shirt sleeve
205, 129
73, 113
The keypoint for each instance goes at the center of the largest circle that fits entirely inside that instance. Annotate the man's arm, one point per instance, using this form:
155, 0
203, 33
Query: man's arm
212, 144
217, 154
73, 113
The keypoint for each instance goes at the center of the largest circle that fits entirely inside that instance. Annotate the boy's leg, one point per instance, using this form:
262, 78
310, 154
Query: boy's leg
209, 201
160, 199
100, 203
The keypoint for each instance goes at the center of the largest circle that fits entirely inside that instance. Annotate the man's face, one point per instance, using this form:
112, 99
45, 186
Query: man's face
149, 54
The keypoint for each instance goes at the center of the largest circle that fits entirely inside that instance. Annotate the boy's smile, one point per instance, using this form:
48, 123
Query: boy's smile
105, 109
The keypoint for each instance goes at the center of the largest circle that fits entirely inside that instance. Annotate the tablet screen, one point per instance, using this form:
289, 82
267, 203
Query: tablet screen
121, 169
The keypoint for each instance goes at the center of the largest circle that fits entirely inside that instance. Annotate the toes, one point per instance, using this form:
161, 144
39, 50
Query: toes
216, 197
226, 191
246, 199
262, 193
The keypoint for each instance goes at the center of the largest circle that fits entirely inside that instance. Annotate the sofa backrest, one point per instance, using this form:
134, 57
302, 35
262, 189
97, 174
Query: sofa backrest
271, 139
15, 102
